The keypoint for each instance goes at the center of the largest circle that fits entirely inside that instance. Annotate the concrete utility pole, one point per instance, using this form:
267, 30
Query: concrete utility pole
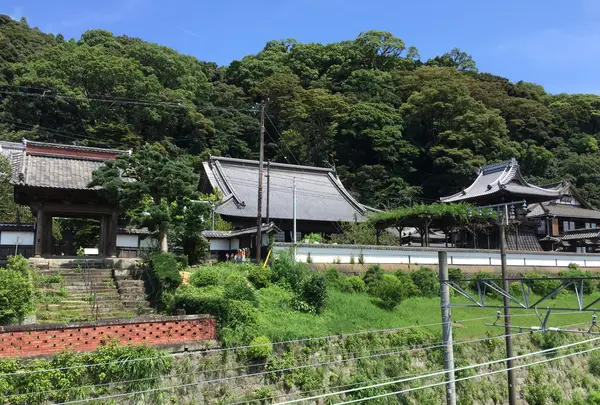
294, 218
260, 183
268, 190
512, 390
447, 328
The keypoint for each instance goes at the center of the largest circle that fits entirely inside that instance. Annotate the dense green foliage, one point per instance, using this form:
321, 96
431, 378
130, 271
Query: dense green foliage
16, 296
260, 348
389, 290
313, 290
74, 376
426, 281
395, 127
205, 276
373, 276
260, 276
163, 276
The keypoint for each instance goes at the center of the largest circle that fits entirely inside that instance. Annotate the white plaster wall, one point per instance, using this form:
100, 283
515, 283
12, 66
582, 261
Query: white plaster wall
10, 238
219, 244
128, 241
329, 254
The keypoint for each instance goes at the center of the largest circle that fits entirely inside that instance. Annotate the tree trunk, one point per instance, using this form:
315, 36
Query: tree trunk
162, 236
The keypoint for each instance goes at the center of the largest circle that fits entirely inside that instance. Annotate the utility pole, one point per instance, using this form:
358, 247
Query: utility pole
447, 328
213, 215
260, 183
294, 218
512, 390
268, 190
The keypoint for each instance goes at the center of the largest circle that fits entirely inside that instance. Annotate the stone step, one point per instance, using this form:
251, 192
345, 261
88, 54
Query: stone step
130, 283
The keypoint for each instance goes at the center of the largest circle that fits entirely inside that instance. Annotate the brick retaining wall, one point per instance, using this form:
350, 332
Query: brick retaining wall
46, 339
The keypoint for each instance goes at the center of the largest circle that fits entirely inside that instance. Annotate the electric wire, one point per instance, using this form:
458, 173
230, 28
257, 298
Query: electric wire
408, 390
443, 372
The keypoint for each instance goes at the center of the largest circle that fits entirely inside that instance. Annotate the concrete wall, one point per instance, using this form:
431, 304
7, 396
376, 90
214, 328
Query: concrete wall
326, 254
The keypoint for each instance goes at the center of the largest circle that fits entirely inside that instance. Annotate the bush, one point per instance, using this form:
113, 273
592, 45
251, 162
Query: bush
19, 264
409, 289
426, 281
260, 348
207, 300
16, 296
491, 276
238, 288
165, 271
260, 276
285, 270
588, 285
239, 314
455, 274
594, 364
541, 287
333, 276
313, 291
205, 276
372, 277
352, 284
389, 291
182, 261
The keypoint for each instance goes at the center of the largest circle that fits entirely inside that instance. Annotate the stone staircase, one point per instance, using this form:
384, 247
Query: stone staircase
85, 293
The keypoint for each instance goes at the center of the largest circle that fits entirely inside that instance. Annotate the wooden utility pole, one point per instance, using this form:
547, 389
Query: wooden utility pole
260, 183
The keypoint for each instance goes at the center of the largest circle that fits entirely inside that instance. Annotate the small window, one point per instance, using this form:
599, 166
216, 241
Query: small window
279, 237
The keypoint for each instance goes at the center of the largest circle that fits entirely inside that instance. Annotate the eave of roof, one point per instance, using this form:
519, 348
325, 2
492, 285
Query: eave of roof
501, 178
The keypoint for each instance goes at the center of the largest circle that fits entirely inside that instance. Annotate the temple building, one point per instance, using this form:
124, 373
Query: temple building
53, 180
555, 216
321, 199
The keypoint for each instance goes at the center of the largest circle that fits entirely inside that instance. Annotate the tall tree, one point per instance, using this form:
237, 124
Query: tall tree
150, 186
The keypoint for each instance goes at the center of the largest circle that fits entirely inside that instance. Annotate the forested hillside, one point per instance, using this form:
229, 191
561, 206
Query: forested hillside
393, 125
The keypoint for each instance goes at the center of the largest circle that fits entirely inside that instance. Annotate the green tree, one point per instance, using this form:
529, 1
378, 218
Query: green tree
151, 186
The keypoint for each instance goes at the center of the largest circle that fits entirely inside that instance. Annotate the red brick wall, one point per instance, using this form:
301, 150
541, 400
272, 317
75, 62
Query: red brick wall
45, 339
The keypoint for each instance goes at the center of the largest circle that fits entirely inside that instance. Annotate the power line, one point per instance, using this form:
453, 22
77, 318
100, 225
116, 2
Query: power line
470, 377
145, 103
204, 352
489, 363
266, 372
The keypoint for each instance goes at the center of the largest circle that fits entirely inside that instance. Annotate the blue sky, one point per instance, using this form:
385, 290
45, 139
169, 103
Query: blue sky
555, 43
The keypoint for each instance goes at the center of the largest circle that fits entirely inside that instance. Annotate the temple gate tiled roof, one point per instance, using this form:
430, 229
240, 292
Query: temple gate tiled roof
44, 165
503, 180
320, 195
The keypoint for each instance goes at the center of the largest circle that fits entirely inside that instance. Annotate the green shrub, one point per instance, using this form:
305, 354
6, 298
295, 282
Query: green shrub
260, 276
426, 281
239, 314
260, 348
389, 291
16, 296
352, 284
205, 276
372, 277
182, 261
207, 300
409, 289
594, 364
588, 285
286, 271
165, 271
313, 291
313, 238
238, 288
19, 264
332, 276
455, 274
491, 276
541, 287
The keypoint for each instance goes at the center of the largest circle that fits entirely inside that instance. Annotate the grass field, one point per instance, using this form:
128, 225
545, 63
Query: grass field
346, 313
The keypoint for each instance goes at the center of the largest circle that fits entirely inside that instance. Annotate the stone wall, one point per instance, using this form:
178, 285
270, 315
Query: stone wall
47, 339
